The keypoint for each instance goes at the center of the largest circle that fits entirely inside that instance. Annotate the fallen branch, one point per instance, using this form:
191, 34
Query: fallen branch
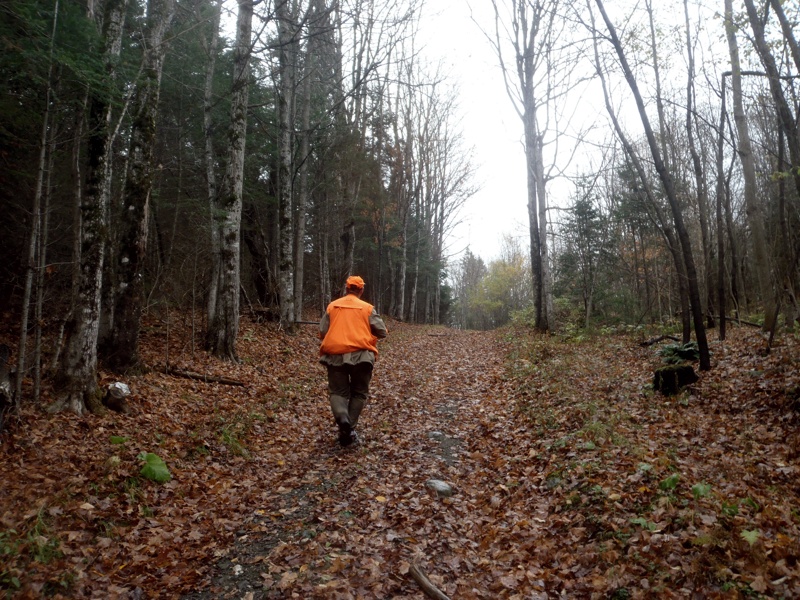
742, 322
430, 590
658, 339
201, 377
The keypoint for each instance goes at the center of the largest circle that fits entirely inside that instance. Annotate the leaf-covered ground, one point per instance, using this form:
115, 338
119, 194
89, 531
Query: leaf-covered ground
571, 477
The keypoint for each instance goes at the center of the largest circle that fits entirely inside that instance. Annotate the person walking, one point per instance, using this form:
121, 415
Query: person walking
349, 330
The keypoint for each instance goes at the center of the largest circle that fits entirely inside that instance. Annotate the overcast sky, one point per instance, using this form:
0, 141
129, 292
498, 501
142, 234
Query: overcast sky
489, 124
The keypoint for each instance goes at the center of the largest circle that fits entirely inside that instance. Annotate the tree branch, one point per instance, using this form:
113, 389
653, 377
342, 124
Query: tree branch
200, 377
430, 590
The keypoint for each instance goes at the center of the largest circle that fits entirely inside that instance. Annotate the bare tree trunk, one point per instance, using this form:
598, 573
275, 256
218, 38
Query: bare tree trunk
287, 60
402, 266
534, 213
257, 242
412, 303
34, 240
42, 267
302, 177
77, 181
548, 316
786, 120
683, 294
699, 175
210, 47
77, 374
787, 266
648, 294
736, 276
223, 328
348, 238
721, 295
787, 123
532, 32
753, 208
324, 272
662, 121
407, 196
536, 256
129, 287
660, 218
666, 180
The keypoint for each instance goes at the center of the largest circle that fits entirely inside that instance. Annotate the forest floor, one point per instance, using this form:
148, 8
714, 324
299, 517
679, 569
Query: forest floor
571, 477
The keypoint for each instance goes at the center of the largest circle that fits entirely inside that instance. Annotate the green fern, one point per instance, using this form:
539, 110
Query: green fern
676, 353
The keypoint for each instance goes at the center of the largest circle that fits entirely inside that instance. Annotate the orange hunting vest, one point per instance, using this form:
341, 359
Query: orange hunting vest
349, 329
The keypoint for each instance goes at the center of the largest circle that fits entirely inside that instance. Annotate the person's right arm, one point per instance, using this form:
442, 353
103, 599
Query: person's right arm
324, 324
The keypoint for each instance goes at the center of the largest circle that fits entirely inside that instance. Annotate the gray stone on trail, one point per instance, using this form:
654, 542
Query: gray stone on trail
442, 489
436, 435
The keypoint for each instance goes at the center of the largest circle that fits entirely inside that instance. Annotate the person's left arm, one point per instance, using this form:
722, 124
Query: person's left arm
377, 325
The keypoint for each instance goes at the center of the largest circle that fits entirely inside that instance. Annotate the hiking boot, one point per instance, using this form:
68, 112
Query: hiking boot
345, 434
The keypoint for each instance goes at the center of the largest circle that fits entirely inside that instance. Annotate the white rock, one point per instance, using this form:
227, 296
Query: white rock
442, 489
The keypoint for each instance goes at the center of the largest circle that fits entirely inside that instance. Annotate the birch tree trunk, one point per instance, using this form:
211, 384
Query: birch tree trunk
408, 188
77, 372
402, 266
302, 177
285, 12
223, 327
123, 353
325, 294
210, 47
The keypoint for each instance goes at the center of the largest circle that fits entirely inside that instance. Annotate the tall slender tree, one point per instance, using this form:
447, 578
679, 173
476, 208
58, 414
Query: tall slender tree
123, 352
653, 204
701, 188
78, 369
669, 189
533, 29
286, 13
753, 205
223, 327
35, 241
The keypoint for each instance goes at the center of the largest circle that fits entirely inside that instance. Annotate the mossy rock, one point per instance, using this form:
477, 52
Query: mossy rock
671, 379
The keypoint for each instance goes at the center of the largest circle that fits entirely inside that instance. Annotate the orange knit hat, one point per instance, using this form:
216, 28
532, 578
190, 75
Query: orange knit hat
354, 281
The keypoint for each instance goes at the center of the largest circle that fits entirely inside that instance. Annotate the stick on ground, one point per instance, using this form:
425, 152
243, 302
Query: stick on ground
430, 590
200, 377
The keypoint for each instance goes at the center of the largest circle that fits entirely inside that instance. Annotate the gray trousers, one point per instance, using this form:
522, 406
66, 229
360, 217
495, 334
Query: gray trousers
349, 387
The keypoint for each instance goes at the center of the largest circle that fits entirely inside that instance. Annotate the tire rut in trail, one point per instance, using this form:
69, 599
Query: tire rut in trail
353, 519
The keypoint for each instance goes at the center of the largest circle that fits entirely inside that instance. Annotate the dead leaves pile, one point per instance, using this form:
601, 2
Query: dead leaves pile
571, 477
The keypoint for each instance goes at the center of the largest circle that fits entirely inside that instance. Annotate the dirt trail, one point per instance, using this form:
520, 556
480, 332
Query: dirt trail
348, 523
571, 477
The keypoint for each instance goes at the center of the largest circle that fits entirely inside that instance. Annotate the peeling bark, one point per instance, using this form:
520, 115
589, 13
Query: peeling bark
123, 353
223, 328
77, 373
